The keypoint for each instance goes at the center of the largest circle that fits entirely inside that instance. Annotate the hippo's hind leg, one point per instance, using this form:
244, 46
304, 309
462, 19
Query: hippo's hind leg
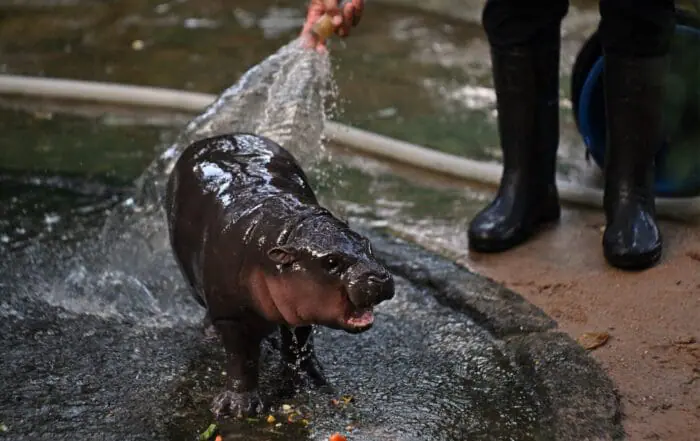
299, 359
242, 345
210, 334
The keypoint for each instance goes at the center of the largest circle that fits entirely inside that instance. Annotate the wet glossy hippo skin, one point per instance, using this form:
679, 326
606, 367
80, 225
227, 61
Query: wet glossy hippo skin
260, 254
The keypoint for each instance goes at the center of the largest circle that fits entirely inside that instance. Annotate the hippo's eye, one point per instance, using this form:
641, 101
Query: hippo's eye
331, 263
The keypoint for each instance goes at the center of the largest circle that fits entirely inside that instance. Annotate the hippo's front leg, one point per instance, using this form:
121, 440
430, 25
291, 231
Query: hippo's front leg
241, 399
299, 358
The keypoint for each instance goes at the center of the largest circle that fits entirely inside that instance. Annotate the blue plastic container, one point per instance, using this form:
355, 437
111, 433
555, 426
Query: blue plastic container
678, 160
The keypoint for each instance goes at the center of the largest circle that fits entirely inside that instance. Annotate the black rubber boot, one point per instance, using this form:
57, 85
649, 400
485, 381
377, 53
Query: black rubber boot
634, 92
527, 90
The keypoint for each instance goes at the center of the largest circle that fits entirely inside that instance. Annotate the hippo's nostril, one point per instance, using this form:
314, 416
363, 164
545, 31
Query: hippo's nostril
374, 279
381, 286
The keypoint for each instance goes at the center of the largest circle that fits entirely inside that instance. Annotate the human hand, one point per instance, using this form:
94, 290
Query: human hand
343, 18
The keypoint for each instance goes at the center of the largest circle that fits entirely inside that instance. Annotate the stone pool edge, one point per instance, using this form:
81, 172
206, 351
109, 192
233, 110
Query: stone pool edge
580, 401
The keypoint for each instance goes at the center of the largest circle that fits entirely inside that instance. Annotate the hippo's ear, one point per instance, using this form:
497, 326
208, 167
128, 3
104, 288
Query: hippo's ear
284, 254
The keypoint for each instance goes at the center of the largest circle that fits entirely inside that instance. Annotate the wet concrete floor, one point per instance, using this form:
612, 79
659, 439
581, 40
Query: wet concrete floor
103, 346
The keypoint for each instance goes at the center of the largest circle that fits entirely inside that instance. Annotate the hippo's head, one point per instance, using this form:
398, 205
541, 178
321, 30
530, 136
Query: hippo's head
331, 276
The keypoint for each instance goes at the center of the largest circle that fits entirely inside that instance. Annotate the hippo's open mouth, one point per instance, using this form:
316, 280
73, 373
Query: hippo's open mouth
360, 318
357, 319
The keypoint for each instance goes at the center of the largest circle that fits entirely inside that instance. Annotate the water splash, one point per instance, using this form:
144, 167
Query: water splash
283, 97
130, 272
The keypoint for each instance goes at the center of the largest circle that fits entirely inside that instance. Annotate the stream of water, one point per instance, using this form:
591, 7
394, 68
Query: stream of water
283, 98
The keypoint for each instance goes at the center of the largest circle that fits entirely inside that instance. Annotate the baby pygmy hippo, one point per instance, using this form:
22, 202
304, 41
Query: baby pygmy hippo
260, 253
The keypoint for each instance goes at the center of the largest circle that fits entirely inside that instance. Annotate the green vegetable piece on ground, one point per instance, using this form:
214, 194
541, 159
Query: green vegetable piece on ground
208, 434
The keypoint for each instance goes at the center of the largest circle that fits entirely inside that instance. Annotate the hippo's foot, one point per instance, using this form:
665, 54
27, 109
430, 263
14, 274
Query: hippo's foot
209, 331
237, 404
210, 334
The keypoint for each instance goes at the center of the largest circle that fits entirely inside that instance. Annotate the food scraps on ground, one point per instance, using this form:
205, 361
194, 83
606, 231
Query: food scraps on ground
337, 437
293, 415
209, 433
343, 401
593, 340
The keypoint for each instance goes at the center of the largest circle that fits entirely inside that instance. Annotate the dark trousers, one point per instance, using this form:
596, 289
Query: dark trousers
641, 28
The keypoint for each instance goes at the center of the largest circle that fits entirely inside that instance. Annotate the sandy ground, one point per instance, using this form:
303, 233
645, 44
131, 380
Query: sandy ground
652, 317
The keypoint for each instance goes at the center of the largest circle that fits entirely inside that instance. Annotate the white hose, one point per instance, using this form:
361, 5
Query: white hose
360, 140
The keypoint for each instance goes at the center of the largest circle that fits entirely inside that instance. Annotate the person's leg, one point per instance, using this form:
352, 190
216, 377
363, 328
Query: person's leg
525, 45
636, 36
